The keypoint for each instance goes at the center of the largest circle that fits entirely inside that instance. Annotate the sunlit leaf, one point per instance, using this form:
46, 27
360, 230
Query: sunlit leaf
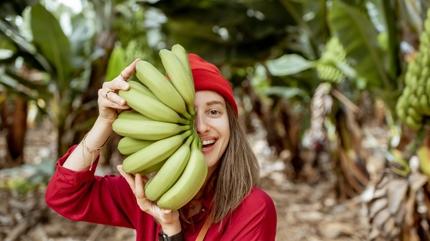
289, 64
286, 92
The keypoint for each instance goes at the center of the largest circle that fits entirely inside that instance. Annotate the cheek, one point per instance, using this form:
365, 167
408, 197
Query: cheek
224, 133
223, 130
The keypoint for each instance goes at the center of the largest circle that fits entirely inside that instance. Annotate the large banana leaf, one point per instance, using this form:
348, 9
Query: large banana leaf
359, 38
24, 47
312, 30
383, 15
52, 42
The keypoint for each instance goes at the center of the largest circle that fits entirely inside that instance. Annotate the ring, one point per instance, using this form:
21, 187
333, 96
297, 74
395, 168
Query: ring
107, 93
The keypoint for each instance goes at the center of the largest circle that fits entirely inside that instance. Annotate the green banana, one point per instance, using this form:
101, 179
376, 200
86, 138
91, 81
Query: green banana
190, 182
150, 107
154, 153
138, 86
424, 157
152, 169
169, 172
160, 86
414, 104
131, 115
182, 55
146, 129
413, 123
413, 113
180, 77
128, 145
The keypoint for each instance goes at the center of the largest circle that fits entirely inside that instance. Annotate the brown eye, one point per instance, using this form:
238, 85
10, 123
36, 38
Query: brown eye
214, 112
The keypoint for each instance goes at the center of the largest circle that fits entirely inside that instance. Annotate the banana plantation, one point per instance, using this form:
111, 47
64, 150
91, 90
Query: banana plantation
334, 96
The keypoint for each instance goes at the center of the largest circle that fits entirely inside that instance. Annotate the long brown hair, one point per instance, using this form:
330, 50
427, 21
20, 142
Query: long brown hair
237, 172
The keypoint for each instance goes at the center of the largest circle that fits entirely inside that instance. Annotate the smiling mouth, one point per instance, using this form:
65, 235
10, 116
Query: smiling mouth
208, 145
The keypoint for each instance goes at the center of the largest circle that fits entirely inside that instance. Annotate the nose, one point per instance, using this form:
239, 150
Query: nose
200, 124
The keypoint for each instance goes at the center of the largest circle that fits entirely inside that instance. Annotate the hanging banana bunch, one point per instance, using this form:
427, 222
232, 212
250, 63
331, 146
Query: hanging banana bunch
327, 66
158, 133
413, 104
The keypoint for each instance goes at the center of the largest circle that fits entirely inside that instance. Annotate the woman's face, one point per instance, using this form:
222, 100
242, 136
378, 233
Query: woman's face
212, 125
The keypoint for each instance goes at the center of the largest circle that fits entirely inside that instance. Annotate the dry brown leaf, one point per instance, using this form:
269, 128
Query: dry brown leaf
397, 190
377, 206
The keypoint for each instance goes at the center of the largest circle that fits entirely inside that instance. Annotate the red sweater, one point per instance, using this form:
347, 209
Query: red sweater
81, 196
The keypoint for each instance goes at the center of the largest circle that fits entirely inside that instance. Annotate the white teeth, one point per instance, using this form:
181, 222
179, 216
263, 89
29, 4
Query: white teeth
208, 142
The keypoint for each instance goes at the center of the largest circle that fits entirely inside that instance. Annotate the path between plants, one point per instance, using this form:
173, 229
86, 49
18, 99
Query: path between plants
306, 212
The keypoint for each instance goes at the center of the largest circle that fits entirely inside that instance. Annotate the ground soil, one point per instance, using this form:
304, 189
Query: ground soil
306, 211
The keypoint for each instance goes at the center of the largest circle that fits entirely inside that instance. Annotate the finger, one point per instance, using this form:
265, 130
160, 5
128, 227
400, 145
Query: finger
111, 96
127, 177
129, 70
120, 82
116, 84
166, 211
109, 104
139, 186
143, 203
114, 97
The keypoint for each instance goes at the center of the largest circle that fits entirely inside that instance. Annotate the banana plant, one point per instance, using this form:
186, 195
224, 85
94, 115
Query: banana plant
405, 190
342, 62
59, 66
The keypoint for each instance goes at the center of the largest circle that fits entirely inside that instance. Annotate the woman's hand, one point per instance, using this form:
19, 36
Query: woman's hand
109, 101
168, 219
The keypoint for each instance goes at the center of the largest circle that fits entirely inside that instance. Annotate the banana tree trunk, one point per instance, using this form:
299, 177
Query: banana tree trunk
282, 127
291, 126
350, 158
14, 119
267, 117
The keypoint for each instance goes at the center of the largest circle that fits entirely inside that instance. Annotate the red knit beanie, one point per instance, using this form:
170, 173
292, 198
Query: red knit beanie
208, 77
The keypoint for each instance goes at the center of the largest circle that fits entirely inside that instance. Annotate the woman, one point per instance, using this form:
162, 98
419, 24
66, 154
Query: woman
228, 207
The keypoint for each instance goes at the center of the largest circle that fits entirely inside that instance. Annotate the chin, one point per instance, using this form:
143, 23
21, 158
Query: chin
209, 161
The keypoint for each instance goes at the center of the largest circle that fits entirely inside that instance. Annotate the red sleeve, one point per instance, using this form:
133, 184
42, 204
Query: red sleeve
253, 220
81, 196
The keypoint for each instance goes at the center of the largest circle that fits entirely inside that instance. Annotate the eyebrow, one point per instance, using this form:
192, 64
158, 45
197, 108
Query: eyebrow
214, 102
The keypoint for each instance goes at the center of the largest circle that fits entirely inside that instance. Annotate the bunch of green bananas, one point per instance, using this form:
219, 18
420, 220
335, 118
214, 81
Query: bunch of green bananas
413, 104
158, 133
327, 65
